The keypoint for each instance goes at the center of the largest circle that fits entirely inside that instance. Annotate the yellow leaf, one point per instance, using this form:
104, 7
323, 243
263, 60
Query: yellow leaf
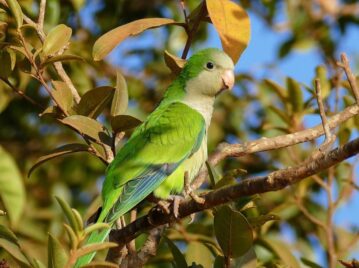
107, 42
174, 63
232, 24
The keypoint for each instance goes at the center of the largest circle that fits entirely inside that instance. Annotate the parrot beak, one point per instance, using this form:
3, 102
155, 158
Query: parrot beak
228, 79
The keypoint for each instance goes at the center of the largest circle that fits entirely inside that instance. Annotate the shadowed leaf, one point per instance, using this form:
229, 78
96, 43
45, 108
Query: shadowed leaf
198, 253
232, 231
94, 101
178, 257
124, 122
57, 257
12, 191
5, 60
262, 219
248, 260
16, 11
88, 127
7, 234
175, 64
310, 263
107, 42
13, 250
120, 98
60, 151
56, 39
100, 264
232, 24
281, 250
295, 94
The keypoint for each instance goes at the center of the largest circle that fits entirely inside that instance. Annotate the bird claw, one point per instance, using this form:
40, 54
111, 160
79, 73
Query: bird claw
189, 191
165, 205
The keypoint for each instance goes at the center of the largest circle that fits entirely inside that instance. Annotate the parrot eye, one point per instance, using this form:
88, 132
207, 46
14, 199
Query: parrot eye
209, 65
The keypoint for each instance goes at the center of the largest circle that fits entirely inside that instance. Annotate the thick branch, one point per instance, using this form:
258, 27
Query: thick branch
266, 144
274, 181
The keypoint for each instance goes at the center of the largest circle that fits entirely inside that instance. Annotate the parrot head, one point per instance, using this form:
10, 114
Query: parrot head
209, 71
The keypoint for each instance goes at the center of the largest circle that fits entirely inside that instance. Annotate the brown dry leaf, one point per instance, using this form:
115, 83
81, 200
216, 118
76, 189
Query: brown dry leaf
107, 42
232, 24
175, 64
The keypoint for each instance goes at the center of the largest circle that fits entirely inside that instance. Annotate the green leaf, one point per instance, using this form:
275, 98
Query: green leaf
63, 95
219, 262
262, 219
69, 215
94, 101
56, 39
94, 247
88, 127
16, 11
14, 251
281, 250
61, 58
52, 111
178, 257
5, 59
124, 122
100, 264
7, 234
295, 95
233, 232
57, 257
322, 74
107, 42
310, 263
78, 220
72, 236
12, 191
248, 260
198, 253
120, 98
96, 226
60, 151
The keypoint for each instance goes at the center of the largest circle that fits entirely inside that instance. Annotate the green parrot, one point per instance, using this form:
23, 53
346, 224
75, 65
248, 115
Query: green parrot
172, 141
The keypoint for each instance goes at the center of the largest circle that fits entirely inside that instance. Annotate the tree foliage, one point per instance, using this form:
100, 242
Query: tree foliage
69, 86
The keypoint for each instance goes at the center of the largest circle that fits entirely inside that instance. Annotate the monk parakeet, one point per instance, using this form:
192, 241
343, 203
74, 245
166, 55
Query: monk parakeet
171, 142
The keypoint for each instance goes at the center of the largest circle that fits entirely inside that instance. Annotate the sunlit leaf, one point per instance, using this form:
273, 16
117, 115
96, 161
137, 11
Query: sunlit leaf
96, 226
12, 191
124, 122
69, 214
174, 63
107, 42
16, 11
233, 232
248, 260
262, 219
321, 74
88, 127
295, 94
198, 253
7, 234
94, 101
94, 247
232, 24
56, 39
60, 58
100, 264
63, 95
57, 257
178, 257
281, 250
13, 250
72, 236
120, 98
60, 151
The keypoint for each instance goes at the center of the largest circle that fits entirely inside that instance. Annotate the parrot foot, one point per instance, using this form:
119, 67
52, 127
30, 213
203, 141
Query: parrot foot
189, 191
165, 205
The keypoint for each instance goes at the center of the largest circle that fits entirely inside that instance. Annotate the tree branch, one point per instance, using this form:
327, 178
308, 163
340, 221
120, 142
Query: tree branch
274, 181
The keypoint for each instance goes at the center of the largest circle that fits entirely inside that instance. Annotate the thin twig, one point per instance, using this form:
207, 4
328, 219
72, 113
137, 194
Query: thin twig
41, 18
308, 215
350, 76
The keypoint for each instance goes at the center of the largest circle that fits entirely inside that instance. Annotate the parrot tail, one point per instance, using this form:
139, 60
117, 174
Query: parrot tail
95, 237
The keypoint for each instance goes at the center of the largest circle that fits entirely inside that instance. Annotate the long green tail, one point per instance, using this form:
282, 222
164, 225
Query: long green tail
95, 237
